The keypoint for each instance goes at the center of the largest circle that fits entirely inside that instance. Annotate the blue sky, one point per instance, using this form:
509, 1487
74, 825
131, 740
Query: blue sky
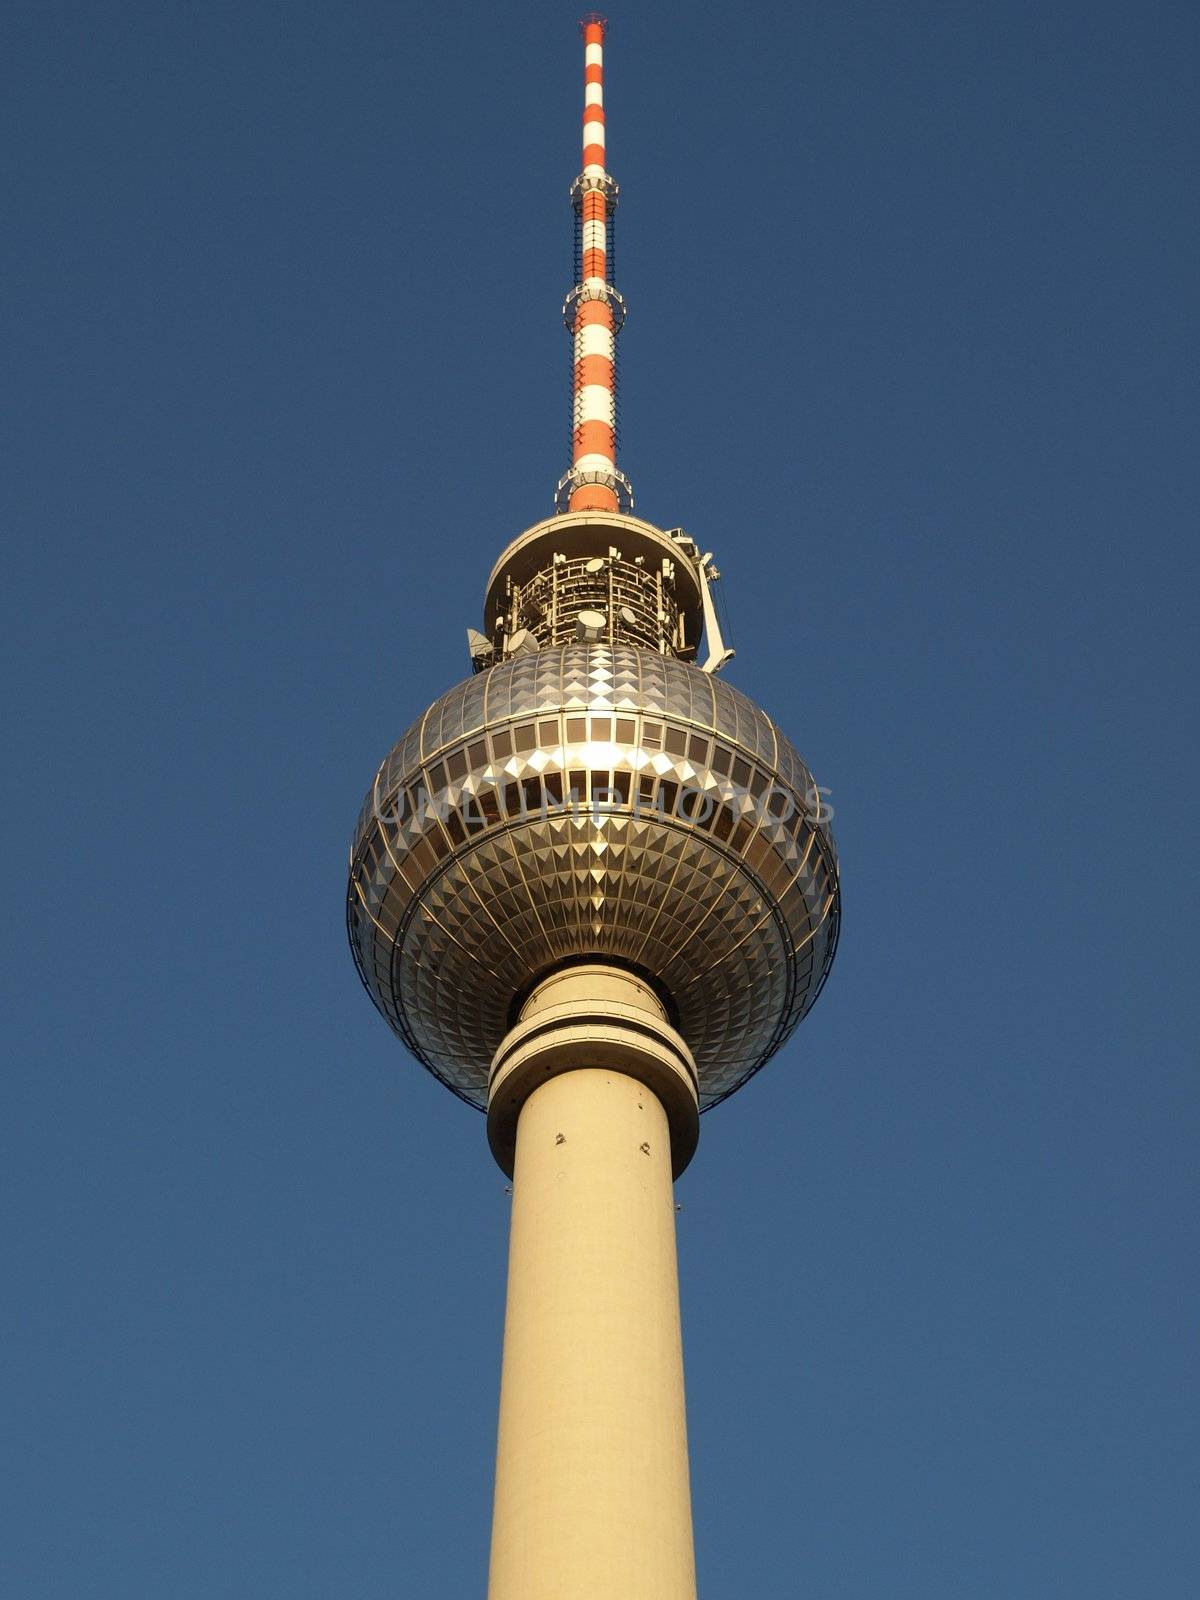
911, 346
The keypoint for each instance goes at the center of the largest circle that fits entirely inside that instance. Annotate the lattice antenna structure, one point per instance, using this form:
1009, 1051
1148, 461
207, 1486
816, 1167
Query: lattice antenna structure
594, 311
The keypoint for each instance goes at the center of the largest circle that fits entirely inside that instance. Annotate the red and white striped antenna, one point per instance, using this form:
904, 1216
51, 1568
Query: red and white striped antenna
594, 311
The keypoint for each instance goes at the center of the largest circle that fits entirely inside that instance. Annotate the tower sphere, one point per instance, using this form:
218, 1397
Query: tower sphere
593, 800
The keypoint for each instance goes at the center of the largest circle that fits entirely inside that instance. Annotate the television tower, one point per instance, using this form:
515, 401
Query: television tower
593, 891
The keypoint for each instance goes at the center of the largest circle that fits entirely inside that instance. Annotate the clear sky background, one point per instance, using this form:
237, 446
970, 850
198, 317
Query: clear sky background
911, 346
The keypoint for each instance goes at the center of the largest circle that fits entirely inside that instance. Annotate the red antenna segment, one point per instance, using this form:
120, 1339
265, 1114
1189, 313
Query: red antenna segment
594, 311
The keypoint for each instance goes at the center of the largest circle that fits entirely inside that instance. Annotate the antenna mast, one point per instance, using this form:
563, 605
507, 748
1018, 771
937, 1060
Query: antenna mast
594, 311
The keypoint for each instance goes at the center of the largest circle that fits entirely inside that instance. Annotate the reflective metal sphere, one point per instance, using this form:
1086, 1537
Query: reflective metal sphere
588, 800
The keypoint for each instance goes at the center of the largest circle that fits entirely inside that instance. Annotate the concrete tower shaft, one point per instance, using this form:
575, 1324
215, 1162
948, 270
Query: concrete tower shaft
592, 1499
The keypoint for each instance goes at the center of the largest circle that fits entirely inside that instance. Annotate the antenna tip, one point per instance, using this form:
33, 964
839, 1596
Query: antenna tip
593, 20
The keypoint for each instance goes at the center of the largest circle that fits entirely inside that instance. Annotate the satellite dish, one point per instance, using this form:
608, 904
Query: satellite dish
523, 643
590, 626
628, 616
597, 564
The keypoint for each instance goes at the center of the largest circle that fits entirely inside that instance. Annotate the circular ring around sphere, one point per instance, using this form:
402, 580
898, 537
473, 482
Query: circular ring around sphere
692, 852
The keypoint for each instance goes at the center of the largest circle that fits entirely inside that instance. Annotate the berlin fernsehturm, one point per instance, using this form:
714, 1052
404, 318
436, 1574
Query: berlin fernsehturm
592, 890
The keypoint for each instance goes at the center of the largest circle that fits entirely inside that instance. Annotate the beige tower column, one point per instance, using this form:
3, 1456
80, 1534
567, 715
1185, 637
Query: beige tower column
592, 1111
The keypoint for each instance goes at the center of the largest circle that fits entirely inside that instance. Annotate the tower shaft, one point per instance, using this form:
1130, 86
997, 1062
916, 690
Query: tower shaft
592, 1499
